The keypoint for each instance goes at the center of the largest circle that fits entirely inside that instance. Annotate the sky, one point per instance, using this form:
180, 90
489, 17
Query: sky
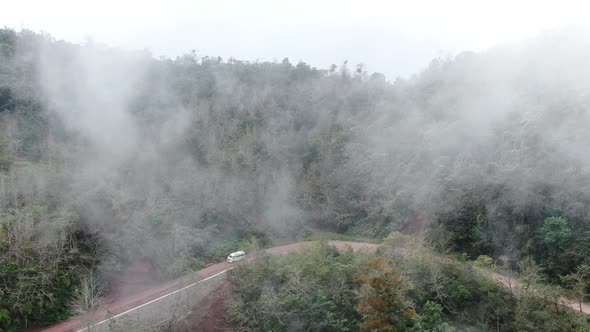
396, 38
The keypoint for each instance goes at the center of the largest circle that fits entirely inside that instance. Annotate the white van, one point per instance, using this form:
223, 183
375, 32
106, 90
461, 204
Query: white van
236, 256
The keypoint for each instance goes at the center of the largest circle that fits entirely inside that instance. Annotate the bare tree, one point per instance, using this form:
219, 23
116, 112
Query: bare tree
89, 300
578, 283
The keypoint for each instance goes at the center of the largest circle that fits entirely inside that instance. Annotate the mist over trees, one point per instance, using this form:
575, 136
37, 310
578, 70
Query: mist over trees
112, 159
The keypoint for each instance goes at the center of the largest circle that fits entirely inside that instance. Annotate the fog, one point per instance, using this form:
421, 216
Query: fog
164, 162
397, 38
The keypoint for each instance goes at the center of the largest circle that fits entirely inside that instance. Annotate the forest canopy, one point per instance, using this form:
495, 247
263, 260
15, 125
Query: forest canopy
111, 159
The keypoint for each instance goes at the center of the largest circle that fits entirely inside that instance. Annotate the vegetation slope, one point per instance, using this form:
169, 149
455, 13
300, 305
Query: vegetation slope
111, 159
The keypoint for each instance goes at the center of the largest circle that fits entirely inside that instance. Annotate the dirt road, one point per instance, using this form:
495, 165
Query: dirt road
514, 284
127, 303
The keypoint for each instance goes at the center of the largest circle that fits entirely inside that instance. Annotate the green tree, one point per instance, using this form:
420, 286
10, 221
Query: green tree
307, 291
432, 319
556, 232
4, 155
484, 261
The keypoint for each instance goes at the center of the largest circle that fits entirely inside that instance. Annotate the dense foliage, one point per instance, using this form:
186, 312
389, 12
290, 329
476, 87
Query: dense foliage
472, 299
43, 257
169, 163
322, 289
313, 290
405, 287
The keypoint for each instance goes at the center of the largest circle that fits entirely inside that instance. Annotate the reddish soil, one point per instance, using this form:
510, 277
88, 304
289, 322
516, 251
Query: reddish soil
135, 279
210, 314
121, 301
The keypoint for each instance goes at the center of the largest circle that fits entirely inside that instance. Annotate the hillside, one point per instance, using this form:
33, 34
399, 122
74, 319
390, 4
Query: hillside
118, 165
403, 286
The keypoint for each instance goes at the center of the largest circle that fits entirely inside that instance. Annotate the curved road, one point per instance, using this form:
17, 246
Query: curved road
512, 283
137, 300
129, 303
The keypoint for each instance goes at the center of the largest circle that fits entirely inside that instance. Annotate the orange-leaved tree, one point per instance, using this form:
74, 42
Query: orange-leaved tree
382, 301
